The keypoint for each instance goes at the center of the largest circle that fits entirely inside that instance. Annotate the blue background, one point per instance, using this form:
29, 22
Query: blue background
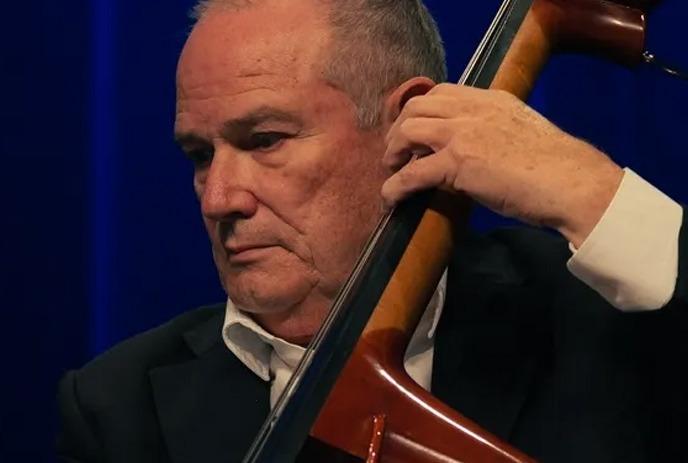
101, 236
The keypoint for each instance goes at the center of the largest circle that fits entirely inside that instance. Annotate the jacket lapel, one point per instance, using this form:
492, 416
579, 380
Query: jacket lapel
210, 408
487, 348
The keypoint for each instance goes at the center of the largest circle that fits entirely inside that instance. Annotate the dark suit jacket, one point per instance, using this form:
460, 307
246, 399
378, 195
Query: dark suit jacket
523, 348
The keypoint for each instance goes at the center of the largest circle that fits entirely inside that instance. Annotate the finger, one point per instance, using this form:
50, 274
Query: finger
430, 172
438, 107
455, 90
413, 136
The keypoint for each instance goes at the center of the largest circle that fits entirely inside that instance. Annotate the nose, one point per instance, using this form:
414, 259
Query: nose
224, 190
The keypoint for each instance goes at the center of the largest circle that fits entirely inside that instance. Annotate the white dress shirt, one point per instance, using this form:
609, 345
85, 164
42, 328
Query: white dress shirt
630, 259
274, 359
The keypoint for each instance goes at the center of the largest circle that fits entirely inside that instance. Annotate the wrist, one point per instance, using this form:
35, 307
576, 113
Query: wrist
590, 198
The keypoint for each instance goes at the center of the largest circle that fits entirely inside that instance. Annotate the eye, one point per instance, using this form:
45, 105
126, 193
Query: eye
264, 141
200, 157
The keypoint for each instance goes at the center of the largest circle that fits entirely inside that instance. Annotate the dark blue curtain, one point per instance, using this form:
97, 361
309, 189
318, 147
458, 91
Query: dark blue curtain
101, 236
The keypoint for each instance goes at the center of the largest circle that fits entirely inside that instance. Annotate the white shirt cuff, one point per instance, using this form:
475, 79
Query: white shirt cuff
631, 256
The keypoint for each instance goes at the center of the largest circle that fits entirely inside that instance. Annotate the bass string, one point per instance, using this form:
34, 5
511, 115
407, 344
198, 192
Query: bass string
484, 50
472, 71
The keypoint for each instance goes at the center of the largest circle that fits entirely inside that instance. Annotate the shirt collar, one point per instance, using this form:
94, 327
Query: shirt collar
253, 345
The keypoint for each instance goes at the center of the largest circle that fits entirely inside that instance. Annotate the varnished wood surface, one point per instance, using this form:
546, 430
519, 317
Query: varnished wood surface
419, 428
612, 30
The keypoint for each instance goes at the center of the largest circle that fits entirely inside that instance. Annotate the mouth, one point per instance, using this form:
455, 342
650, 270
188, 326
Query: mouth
244, 254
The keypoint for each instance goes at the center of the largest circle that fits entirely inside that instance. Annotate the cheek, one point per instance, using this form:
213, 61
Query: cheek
330, 199
322, 174
292, 188
343, 213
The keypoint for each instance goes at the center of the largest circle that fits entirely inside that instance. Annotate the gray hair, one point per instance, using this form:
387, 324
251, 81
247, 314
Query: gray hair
380, 44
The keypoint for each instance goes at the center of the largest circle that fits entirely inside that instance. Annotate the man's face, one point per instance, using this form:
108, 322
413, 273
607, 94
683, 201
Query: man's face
288, 185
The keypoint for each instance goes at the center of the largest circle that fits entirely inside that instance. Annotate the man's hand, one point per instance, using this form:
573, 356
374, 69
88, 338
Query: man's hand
506, 156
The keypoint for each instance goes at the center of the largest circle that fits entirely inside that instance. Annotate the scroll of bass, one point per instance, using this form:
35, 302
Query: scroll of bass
353, 394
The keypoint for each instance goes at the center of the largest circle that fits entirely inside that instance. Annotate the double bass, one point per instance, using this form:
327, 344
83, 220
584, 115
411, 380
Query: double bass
350, 398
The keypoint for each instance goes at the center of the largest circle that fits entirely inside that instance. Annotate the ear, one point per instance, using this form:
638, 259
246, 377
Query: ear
396, 100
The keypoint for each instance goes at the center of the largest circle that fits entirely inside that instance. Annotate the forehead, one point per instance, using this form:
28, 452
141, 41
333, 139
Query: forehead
279, 41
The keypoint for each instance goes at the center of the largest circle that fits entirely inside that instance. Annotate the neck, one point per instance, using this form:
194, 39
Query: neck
297, 325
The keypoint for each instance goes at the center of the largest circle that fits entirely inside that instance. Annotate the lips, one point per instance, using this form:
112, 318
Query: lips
238, 249
247, 253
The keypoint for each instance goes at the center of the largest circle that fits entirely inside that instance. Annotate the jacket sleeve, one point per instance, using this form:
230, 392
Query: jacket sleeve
665, 348
76, 442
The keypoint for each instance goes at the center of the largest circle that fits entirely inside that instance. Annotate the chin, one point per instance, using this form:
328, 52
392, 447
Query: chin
267, 294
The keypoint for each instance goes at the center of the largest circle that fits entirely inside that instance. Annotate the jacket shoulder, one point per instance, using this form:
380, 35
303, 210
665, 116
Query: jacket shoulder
157, 346
124, 368
108, 403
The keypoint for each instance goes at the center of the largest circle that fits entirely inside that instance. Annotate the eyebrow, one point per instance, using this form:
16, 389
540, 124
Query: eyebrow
241, 125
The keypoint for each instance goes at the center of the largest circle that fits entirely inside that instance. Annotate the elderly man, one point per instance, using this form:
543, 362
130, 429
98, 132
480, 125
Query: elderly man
297, 116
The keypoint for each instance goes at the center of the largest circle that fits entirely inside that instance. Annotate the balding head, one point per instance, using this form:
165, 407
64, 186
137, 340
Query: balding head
377, 45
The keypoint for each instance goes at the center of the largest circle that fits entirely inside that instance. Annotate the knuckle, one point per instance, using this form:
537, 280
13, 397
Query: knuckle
443, 88
456, 148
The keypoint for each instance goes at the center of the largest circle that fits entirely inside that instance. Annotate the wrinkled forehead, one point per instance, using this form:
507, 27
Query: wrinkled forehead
273, 37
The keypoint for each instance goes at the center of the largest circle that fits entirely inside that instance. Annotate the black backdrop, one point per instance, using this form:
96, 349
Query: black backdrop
101, 237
